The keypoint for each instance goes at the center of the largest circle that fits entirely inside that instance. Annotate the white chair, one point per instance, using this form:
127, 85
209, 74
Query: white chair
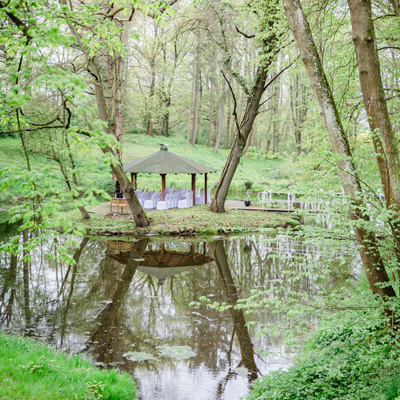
171, 200
199, 198
151, 203
183, 203
162, 205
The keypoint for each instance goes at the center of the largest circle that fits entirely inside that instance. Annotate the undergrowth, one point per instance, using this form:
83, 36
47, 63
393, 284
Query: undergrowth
352, 356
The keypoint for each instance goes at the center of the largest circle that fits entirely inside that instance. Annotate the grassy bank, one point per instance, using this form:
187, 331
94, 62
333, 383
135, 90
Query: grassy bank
30, 370
93, 172
186, 222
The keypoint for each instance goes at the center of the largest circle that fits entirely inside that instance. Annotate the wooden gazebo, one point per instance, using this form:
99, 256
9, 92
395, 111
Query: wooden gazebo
165, 162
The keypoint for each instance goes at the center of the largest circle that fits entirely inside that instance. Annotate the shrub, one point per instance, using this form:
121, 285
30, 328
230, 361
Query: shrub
351, 356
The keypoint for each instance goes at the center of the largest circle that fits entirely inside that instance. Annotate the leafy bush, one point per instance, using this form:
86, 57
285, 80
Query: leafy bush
248, 185
352, 356
137, 131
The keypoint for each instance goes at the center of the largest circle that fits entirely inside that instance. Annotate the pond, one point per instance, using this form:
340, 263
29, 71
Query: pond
127, 303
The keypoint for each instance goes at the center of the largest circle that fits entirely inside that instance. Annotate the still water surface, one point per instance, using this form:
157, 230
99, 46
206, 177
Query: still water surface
127, 304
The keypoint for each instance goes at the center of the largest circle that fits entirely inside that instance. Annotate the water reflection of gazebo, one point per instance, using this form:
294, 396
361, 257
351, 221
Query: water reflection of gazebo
165, 162
162, 263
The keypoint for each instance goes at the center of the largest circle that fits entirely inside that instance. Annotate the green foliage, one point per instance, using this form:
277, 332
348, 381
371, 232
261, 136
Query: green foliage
34, 370
351, 356
248, 185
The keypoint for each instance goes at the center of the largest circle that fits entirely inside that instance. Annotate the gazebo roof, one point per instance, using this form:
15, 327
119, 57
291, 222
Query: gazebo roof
165, 162
165, 259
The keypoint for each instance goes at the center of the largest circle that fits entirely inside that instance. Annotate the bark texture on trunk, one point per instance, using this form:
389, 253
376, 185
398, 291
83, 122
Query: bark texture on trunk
374, 99
366, 240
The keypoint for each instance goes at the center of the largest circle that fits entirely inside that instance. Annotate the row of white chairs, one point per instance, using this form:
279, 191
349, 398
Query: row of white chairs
179, 198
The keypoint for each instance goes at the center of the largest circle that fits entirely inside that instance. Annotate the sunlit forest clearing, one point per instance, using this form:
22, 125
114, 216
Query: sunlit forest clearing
256, 256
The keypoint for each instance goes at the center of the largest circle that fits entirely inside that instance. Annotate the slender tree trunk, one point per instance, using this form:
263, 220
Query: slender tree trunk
196, 99
228, 125
134, 205
211, 113
221, 117
151, 97
366, 240
83, 211
374, 100
190, 110
239, 143
275, 122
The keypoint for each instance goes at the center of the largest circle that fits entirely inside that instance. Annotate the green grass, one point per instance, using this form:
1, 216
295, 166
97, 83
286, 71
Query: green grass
30, 370
95, 174
190, 220
260, 172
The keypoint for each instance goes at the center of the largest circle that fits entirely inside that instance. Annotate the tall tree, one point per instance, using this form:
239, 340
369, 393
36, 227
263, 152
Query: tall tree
269, 27
366, 240
105, 65
374, 99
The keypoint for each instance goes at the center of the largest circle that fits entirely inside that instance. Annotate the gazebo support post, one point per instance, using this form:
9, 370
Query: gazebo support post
205, 189
163, 187
194, 188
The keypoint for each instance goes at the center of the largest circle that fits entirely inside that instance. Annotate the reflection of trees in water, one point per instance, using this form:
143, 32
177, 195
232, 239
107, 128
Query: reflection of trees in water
76, 257
239, 323
144, 311
38, 288
7, 294
107, 334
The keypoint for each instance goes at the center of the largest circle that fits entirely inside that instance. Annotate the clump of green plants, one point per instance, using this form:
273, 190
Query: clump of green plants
248, 185
351, 356
31, 370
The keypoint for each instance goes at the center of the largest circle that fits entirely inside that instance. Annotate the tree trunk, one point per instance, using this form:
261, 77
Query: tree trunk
196, 99
228, 125
165, 120
138, 213
275, 124
190, 111
221, 117
298, 110
374, 100
151, 96
134, 205
211, 113
366, 240
396, 7
239, 142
